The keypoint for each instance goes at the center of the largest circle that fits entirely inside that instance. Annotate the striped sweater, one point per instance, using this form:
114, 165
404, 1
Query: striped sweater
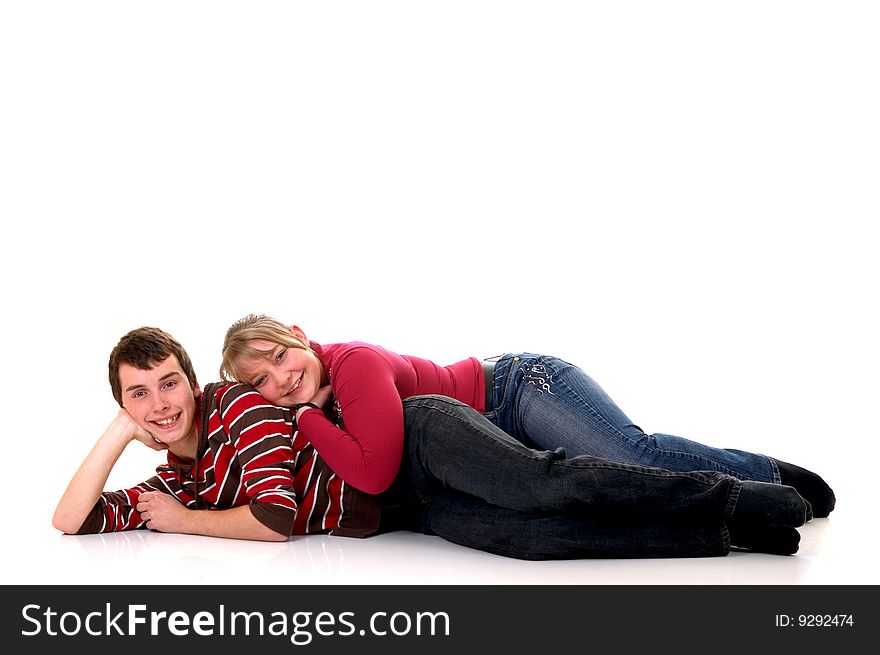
247, 457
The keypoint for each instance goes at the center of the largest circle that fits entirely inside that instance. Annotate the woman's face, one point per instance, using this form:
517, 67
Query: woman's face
289, 376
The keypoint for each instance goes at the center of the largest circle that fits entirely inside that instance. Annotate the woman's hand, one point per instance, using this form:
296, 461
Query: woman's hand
323, 396
321, 399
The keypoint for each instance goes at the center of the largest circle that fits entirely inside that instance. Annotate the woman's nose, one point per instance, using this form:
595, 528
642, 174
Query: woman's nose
279, 377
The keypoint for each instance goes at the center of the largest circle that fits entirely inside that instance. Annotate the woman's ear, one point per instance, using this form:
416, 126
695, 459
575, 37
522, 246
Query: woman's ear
299, 334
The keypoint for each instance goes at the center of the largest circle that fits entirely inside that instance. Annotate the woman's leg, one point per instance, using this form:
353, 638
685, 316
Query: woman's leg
452, 446
550, 403
809, 485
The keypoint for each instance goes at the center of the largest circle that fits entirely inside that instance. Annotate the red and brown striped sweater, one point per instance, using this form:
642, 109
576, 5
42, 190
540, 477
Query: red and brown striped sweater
247, 457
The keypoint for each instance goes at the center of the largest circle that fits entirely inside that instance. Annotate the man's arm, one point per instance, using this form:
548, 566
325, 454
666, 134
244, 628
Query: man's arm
84, 489
264, 453
165, 514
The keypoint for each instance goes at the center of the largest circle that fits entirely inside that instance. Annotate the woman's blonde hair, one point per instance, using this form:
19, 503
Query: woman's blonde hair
236, 344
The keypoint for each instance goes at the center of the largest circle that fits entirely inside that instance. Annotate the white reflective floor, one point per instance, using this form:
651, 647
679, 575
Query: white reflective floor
837, 550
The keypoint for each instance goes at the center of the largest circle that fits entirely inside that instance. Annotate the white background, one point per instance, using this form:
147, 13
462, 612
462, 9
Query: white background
678, 196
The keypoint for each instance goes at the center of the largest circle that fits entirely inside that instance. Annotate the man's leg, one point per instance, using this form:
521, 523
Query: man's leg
450, 445
471, 522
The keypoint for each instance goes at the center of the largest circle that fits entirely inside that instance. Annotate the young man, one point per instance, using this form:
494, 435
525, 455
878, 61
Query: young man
238, 468
233, 470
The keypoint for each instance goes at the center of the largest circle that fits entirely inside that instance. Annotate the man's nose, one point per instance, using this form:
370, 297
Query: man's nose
160, 403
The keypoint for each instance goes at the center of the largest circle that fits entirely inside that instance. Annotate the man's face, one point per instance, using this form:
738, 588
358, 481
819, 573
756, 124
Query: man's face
161, 401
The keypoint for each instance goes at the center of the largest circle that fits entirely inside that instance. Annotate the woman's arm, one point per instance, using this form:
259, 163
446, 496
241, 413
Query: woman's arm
365, 452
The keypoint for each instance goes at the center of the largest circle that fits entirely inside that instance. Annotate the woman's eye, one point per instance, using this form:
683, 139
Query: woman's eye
259, 381
280, 355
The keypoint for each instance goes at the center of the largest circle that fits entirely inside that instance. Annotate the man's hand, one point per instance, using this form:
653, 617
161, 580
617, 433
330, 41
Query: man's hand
127, 426
165, 514
162, 512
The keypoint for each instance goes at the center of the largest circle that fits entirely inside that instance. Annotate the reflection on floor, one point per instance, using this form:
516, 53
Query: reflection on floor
829, 554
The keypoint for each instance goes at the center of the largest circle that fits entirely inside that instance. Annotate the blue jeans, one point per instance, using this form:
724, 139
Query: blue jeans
548, 403
477, 486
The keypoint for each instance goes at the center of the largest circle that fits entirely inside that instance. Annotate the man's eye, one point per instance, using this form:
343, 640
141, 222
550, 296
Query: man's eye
170, 384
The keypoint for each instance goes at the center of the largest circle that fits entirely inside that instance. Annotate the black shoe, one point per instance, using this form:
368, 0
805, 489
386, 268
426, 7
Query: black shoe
765, 503
810, 486
772, 539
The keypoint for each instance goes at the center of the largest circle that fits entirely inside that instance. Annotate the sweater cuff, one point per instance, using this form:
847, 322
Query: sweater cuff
93, 522
273, 517
309, 412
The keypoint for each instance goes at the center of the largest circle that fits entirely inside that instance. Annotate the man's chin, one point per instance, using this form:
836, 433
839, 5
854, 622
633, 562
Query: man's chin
172, 436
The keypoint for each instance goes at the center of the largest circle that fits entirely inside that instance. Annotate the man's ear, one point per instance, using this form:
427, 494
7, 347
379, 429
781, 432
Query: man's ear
299, 334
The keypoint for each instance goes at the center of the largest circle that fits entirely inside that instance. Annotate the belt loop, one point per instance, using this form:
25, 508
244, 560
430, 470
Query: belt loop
489, 375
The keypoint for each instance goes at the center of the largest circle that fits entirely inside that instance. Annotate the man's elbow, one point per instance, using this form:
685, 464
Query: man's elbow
66, 524
260, 531
275, 536
265, 533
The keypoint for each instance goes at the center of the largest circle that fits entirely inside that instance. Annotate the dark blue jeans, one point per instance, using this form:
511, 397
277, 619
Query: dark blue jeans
477, 486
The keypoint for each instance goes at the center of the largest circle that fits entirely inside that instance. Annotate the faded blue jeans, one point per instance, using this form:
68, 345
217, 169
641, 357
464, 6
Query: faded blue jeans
548, 403
476, 486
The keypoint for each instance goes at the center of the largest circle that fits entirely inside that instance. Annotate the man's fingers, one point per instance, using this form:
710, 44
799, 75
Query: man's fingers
150, 441
143, 502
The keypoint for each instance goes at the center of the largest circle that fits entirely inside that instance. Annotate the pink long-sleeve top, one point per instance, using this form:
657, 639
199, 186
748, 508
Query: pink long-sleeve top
369, 384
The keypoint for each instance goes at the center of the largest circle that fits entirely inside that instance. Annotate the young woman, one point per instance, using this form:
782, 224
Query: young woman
541, 401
